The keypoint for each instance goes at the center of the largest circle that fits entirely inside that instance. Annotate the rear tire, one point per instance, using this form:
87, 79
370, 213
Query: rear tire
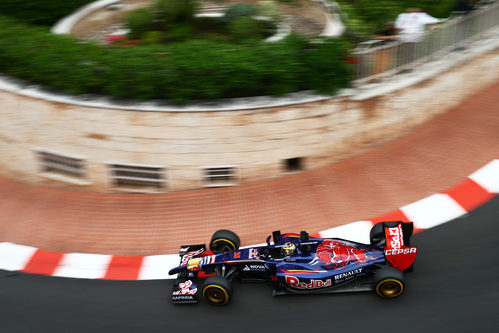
389, 282
217, 290
224, 241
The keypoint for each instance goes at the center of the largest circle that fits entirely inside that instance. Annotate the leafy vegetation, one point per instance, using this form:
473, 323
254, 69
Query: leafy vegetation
181, 71
366, 17
245, 28
238, 10
268, 8
139, 22
187, 70
43, 12
174, 21
175, 11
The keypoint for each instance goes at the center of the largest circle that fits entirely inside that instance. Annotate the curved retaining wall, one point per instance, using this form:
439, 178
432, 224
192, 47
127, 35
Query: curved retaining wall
255, 141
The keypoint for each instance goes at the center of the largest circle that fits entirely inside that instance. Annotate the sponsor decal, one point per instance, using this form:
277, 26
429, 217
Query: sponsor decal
401, 258
207, 260
185, 289
395, 237
237, 255
302, 271
182, 298
405, 250
313, 284
347, 275
253, 254
338, 254
189, 255
399, 255
254, 268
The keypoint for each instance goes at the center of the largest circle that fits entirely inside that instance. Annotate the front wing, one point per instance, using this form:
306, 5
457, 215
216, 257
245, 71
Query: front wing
185, 289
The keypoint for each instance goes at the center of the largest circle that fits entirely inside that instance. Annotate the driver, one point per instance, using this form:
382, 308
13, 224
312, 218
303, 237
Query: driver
288, 249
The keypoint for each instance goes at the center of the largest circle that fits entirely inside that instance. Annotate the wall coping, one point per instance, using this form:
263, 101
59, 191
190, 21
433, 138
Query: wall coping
64, 25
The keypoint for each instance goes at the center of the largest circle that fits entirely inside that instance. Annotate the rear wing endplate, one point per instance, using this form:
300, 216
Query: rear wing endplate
398, 250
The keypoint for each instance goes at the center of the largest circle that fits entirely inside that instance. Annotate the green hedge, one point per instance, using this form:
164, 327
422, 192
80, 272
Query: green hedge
43, 12
244, 28
181, 72
366, 17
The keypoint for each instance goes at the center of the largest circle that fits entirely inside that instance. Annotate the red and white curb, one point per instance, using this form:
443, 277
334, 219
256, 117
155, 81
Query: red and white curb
477, 189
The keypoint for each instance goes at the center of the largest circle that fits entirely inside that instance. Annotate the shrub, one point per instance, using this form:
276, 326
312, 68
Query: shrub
245, 28
325, 76
366, 17
153, 38
139, 21
238, 10
192, 70
180, 32
440, 9
268, 9
175, 11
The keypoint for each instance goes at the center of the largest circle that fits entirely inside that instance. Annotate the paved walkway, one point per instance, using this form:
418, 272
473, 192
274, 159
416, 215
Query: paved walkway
430, 159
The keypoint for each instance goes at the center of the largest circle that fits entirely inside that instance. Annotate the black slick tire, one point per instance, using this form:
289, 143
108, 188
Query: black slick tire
224, 241
217, 290
389, 282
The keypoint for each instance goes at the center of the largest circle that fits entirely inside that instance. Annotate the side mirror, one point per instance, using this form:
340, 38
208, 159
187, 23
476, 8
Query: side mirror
268, 240
276, 235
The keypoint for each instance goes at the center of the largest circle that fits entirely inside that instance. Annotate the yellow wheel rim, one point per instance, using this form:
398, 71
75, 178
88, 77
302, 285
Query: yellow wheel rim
215, 294
389, 288
225, 240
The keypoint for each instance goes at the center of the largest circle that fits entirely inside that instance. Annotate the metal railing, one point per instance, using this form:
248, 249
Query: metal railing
377, 58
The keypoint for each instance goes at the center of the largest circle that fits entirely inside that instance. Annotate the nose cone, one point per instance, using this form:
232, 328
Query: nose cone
193, 263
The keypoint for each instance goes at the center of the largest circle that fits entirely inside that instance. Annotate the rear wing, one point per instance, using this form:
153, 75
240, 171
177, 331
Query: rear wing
185, 289
398, 240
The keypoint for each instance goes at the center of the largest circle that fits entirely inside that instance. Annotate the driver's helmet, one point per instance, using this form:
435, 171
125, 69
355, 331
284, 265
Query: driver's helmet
288, 249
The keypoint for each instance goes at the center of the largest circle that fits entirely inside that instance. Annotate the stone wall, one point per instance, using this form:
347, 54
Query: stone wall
256, 142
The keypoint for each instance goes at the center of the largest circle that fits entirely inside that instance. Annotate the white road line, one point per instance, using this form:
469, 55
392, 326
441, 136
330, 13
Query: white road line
355, 231
15, 257
157, 267
488, 176
83, 265
433, 210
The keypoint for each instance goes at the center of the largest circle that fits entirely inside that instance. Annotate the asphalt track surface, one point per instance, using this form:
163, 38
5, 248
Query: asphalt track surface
454, 288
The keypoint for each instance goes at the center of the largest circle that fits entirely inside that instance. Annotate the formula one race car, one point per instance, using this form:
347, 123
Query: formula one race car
297, 263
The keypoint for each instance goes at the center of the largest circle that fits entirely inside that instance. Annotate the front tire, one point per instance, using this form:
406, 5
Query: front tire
389, 282
224, 241
217, 290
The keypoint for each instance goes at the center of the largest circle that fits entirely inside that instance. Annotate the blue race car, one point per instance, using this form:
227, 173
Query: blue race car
297, 263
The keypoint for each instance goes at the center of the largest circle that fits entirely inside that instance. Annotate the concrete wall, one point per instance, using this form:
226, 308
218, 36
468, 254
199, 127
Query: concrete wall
256, 141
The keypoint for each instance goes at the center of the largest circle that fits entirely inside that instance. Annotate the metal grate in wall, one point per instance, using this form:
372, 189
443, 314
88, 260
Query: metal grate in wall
214, 176
138, 177
60, 164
